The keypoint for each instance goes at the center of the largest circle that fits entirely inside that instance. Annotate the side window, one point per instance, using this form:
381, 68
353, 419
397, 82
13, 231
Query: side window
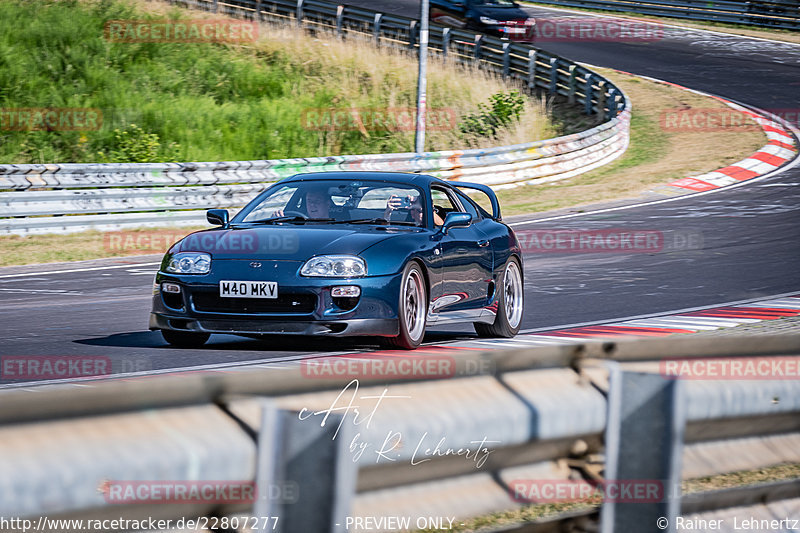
469, 207
442, 205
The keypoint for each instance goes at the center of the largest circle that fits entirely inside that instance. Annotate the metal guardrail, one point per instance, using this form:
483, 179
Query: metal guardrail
76, 197
600, 411
776, 14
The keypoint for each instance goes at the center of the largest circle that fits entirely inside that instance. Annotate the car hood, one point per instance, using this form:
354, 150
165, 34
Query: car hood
289, 243
501, 13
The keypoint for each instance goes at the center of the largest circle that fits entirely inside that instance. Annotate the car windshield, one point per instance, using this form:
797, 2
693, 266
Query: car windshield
337, 202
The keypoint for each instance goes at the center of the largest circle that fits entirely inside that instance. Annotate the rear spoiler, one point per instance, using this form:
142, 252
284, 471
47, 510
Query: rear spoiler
485, 189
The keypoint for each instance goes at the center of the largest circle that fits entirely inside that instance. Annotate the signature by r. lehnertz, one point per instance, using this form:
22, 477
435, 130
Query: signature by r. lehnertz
393, 446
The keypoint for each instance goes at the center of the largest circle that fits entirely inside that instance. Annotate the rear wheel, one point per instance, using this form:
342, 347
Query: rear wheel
509, 304
412, 310
184, 339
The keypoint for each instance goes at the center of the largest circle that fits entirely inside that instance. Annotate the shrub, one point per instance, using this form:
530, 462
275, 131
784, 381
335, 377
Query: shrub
503, 109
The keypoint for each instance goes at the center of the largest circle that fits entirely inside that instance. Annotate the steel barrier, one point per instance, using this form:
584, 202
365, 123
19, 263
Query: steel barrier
76, 197
326, 441
776, 14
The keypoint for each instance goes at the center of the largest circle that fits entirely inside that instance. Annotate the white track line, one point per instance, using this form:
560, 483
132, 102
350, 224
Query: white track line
87, 269
665, 314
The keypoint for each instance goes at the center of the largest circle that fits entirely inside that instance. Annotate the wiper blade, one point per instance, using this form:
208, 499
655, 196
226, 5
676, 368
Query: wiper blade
381, 221
294, 218
363, 221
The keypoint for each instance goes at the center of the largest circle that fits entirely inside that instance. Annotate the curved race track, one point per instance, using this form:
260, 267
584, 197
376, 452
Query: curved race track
750, 236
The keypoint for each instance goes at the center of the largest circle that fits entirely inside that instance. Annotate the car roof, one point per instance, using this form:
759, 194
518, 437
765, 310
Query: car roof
395, 177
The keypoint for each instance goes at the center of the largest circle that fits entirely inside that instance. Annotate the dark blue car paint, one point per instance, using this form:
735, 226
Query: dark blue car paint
461, 274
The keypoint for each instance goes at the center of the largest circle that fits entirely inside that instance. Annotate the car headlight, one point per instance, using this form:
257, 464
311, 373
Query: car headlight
335, 266
189, 263
489, 21
530, 22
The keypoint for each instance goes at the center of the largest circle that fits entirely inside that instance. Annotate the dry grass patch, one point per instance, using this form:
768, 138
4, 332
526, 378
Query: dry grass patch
356, 74
531, 513
51, 248
654, 157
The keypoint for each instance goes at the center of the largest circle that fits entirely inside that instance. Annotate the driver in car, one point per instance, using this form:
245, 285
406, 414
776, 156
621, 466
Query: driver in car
317, 204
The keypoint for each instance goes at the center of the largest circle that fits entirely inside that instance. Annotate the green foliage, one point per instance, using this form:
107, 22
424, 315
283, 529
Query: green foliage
502, 111
188, 102
134, 145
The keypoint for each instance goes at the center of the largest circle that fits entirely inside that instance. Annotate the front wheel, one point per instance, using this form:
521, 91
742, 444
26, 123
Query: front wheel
184, 339
412, 310
510, 302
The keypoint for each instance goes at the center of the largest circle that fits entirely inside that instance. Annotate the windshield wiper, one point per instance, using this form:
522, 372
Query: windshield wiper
381, 221
293, 218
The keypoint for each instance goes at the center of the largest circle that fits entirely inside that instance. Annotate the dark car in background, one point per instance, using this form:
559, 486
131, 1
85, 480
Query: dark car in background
502, 18
343, 254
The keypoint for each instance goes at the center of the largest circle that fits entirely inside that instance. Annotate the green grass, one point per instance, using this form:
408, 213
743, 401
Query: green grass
647, 145
205, 101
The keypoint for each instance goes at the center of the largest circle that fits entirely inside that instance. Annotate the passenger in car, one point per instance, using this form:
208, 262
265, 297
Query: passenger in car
415, 208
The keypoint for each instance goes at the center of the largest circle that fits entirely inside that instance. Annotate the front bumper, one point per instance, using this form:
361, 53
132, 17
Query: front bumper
305, 305
379, 327
520, 32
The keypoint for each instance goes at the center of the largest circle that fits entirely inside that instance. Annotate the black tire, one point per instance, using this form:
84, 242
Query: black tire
184, 339
510, 299
413, 292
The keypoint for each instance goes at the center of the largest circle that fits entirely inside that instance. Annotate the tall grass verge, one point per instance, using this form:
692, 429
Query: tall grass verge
215, 102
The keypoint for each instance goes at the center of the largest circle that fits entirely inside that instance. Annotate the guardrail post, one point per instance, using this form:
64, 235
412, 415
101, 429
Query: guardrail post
299, 12
643, 408
478, 45
258, 10
553, 75
216, 6
601, 99
306, 475
506, 59
339, 18
532, 69
445, 42
572, 83
612, 103
413, 28
587, 108
376, 28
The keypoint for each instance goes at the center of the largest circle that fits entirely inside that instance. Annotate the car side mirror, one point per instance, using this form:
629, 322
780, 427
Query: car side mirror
217, 216
456, 220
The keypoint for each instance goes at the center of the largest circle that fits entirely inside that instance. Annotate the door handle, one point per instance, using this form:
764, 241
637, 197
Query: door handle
483, 243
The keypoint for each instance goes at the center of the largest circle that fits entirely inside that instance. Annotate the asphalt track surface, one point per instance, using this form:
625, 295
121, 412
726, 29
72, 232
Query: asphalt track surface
744, 241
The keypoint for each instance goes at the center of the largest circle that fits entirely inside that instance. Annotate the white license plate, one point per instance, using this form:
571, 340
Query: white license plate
248, 289
511, 29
